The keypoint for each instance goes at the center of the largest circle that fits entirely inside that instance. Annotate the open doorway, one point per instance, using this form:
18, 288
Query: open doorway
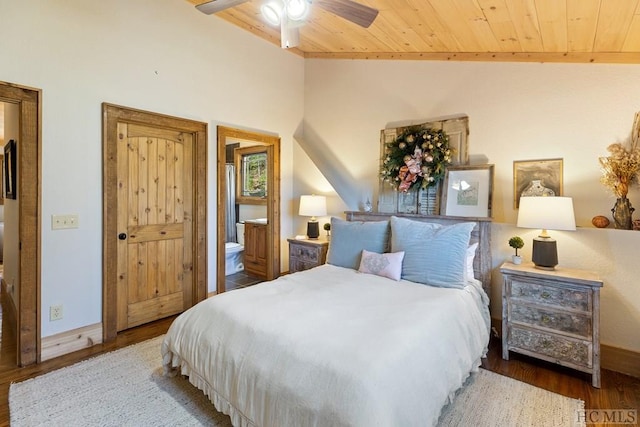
248, 242
21, 240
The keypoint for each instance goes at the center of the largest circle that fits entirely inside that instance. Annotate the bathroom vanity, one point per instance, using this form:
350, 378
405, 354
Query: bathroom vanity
255, 248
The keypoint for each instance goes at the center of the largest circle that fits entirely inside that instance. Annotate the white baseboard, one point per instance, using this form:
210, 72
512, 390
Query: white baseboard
70, 341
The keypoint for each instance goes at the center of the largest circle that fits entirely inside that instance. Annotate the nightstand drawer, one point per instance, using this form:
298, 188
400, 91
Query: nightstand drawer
298, 265
560, 349
304, 253
571, 323
551, 295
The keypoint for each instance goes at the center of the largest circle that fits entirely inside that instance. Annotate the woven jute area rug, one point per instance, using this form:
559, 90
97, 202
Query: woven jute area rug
126, 388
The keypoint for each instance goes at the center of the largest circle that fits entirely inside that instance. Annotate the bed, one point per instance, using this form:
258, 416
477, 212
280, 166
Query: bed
336, 346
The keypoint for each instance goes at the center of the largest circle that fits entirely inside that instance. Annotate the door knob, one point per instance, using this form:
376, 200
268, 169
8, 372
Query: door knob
122, 236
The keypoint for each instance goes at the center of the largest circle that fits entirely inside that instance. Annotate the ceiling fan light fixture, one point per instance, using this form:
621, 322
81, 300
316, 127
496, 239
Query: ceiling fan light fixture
289, 35
297, 10
272, 12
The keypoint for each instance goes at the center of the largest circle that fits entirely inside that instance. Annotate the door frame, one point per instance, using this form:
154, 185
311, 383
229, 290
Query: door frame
273, 200
29, 102
111, 115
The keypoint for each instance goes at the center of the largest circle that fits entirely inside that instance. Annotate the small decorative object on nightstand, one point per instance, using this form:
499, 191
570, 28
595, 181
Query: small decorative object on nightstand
552, 315
516, 242
306, 254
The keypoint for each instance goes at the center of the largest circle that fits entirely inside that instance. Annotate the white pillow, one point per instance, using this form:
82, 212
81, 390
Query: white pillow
385, 265
471, 254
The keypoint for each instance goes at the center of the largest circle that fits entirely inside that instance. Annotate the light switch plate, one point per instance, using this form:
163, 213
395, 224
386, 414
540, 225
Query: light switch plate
61, 222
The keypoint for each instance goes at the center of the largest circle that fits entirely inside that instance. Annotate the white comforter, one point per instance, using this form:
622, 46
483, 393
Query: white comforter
331, 347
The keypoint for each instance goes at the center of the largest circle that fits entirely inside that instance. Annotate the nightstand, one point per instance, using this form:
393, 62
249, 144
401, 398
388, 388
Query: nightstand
552, 315
306, 254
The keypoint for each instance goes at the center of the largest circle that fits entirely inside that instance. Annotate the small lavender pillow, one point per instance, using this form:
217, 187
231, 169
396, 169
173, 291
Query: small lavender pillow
385, 265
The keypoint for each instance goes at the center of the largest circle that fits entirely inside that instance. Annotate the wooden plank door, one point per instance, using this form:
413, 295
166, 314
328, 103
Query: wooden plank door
154, 217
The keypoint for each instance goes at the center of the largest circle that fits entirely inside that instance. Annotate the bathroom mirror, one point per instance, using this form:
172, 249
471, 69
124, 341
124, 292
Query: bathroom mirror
260, 213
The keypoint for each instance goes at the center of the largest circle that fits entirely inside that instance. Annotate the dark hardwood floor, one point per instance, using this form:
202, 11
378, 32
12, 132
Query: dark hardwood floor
618, 391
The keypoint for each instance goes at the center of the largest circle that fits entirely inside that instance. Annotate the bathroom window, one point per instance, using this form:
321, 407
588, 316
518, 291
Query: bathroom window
251, 175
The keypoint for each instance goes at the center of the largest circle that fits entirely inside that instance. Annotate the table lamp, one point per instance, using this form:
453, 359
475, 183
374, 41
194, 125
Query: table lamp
313, 206
546, 213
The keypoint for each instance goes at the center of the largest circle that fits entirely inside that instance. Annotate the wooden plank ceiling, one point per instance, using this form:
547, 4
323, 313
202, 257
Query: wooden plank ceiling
600, 31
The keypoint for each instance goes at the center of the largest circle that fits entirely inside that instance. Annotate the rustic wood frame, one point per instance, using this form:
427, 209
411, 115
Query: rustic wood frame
111, 115
29, 180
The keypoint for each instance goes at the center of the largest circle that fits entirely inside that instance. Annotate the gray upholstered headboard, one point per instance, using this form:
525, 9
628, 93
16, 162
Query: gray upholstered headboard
481, 234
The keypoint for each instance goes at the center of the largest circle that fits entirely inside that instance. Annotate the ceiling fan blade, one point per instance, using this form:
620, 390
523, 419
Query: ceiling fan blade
350, 10
218, 5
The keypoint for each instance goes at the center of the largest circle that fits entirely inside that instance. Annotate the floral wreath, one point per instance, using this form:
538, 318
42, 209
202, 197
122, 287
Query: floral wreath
416, 159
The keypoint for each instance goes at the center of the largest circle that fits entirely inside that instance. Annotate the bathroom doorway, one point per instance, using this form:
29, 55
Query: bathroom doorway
248, 243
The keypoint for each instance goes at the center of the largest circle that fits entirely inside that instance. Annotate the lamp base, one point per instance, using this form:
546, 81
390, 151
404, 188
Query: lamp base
545, 253
313, 229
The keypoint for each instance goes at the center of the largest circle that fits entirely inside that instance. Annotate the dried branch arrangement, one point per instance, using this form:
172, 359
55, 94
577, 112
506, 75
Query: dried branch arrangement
621, 168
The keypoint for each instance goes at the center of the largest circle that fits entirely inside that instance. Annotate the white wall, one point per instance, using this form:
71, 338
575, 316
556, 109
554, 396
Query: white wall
157, 55
517, 112
309, 180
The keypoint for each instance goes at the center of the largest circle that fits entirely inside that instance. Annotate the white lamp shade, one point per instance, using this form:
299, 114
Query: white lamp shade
547, 213
313, 206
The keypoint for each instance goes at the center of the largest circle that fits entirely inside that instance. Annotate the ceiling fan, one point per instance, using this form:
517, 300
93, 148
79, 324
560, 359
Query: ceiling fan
290, 14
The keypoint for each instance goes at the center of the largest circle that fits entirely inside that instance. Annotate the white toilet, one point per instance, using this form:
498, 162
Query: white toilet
233, 252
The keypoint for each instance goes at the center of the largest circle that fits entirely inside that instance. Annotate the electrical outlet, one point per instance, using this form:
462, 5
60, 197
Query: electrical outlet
55, 312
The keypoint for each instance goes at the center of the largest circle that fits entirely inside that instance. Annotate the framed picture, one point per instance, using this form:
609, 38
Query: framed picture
468, 191
536, 178
10, 182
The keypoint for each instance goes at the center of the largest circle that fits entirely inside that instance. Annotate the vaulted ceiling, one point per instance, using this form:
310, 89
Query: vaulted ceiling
600, 31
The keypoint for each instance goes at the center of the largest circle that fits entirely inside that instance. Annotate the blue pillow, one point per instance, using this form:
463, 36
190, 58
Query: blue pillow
434, 254
348, 239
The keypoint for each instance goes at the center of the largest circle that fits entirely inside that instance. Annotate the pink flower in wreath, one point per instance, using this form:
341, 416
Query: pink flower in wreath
407, 178
413, 165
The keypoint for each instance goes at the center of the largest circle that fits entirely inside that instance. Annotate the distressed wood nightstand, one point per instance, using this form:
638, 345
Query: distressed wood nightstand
553, 316
306, 254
